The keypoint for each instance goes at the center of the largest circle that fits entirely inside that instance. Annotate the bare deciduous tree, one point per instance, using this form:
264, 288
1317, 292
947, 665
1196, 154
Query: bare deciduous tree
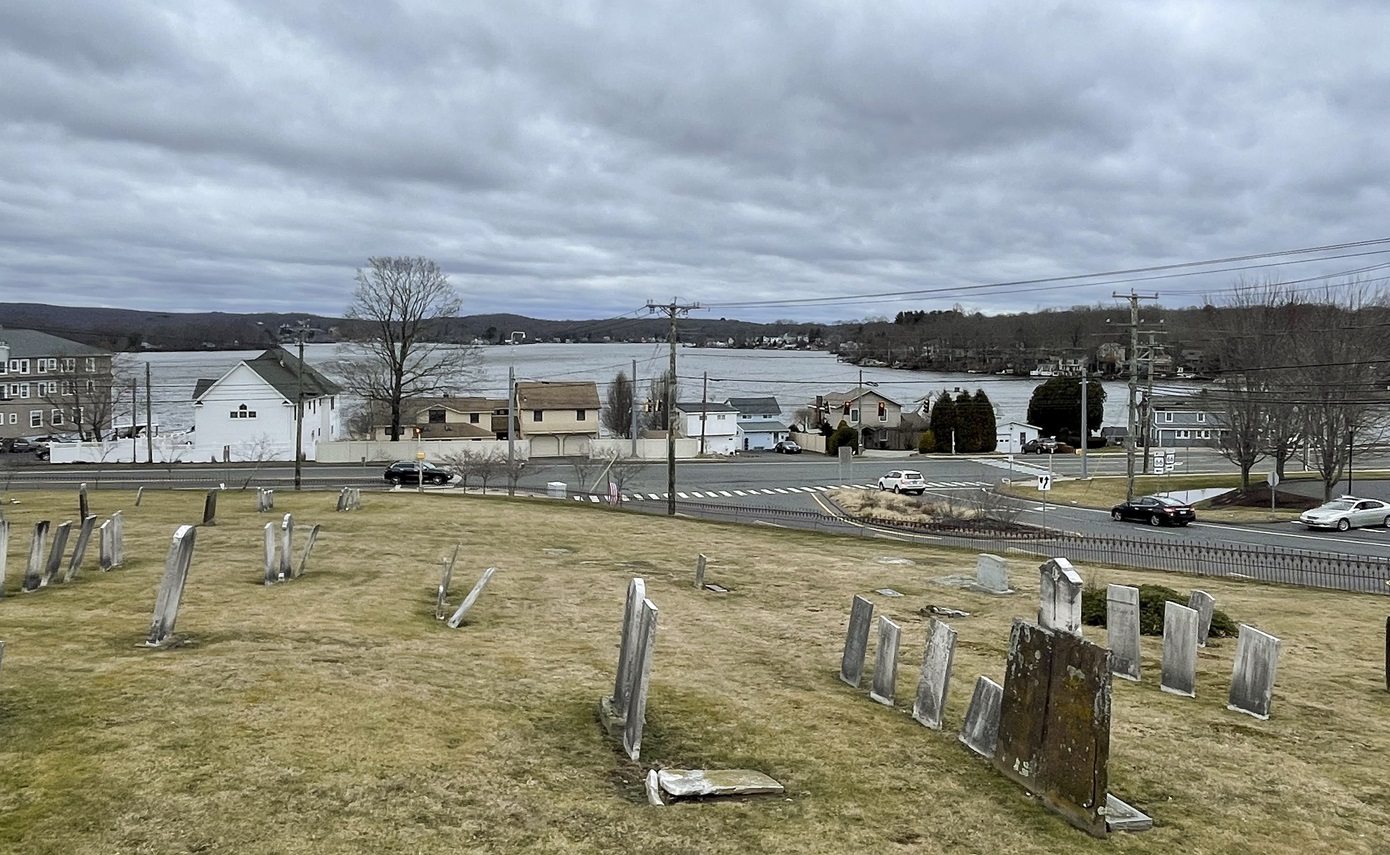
87, 400
403, 304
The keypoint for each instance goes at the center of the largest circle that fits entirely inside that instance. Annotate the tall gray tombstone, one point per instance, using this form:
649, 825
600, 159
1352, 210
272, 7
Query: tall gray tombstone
105, 541
83, 510
980, 731
935, 677
457, 619
1204, 604
636, 718
272, 569
33, 573
342, 500
166, 605
79, 551
1059, 601
4, 552
1179, 650
441, 597
286, 545
992, 574
615, 707
886, 663
55, 555
1252, 677
861, 616
308, 548
210, 508
1122, 629
117, 539
700, 562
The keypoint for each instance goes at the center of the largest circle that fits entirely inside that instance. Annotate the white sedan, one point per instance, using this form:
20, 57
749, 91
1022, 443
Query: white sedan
1346, 513
903, 481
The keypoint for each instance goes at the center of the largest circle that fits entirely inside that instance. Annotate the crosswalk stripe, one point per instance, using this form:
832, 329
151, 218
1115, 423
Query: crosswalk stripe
739, 493
653, 496
682, 495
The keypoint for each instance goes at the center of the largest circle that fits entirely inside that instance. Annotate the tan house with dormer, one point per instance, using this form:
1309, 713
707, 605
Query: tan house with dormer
875, 416
559, 419
449, 417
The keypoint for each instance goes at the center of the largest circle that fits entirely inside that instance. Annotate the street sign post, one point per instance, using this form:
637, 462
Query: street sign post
1272, 479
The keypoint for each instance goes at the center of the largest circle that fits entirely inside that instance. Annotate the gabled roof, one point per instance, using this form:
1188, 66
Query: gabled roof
544, 395
32, 343
707, 407
460, 404
278, 369
838, 398
763, 427
756, 406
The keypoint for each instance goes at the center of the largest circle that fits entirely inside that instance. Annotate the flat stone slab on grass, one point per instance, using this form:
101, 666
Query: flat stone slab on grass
680, 783
1120, 816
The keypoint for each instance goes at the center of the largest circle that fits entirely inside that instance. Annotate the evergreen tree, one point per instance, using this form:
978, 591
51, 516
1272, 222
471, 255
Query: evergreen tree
988, 424
1055, 407
843, 435
943, 422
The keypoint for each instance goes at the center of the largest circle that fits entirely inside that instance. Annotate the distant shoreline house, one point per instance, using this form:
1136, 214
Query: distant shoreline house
249, 412
715, 425
559, 419
51, 385
875, 417
1182, 421
466, 417
759, 422
1010, 437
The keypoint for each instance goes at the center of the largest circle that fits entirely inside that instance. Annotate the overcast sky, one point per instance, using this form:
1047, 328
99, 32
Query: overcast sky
250, 155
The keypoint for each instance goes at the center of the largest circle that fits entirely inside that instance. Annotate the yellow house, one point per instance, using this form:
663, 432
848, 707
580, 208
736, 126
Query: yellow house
558, 418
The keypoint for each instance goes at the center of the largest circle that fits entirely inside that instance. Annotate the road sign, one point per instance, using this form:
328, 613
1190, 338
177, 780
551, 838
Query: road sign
1170, 458
1272, 479
1045, 482
1158, 464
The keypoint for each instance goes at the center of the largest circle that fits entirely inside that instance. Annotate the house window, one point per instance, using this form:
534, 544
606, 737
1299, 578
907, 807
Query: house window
243, 412
19, 366
846, 407
580, 415
69, 364
437, 417
1206, 434
91, 364
91, 386
41, 389
56, 417
882, 411
1168, 417
1182, 434
14, 418
23, 390
854, 415
4, 367
1201, 417
36, 418
538, 415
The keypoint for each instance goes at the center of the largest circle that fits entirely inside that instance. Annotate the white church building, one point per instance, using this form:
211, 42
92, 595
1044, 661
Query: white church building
248, 414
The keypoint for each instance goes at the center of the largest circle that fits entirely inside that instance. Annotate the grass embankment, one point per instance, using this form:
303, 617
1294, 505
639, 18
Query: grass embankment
333, 714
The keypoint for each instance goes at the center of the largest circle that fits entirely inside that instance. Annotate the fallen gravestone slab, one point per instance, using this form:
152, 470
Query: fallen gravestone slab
887, 592
942, 611
688, 783
718, 589
1120, 816
654, 790
468, 601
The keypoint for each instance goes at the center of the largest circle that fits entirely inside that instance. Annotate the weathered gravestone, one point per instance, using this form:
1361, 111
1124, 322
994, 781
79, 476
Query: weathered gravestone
992, 574
139, 494
886, 664
286, 545
935, 677
166, 606
104, 540
210, 508
635, 720
468, 601
265, 500
1059, 600
441, 597
2, 653
613, 709
5, 552
980, 731
1179, 650
55, 555
1054, 723
83, 510
700, 562
79, 551
1252, 677
117, 539
1204, 604
861, 615
308, 548
271, 572
1122, 630
33, 573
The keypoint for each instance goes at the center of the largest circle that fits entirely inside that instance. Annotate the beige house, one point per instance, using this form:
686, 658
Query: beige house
471, 418
558, 418
876, 417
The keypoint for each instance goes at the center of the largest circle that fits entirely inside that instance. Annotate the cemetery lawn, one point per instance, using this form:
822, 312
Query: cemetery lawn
334, 714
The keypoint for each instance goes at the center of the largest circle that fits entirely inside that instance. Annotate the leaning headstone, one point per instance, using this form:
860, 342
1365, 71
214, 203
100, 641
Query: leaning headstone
861, 615
1179, 650
992, 574
980, 731
2, 653
886, 665
271, 573
700, 562
935, 677
139, 494
1059, 601
83, 510
1122, 630
468, 601
105, 541
210, 508
55, 555
636, 718
33, 573
613, 709
166, 606
286, 545
441, 597
5, 552
1204, 604
308, 548
1252, 678
79, 551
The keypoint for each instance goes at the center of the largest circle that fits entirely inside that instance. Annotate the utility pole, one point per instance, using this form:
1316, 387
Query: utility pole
1150, 355
1085, 426
704, 412
134, 419
511, 438
300, 332
672, 310
634, 408
1132, 433
149, 419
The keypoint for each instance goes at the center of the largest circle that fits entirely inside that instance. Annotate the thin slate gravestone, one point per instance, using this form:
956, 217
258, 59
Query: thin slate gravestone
104, 541
308, 548
1204, 604
33, 573
265, 500
1122, 630
700, 572
210, 508
613, 710
79, 551
1252, 677
992, 574
1059, 600
935, 677
166, 606
271, 572
886, 664
139, 494
5, 553
636, 718
55, 555
861, 615
1179, 650
980, 731
441, 597
83, 511
286, 545
472, 598
117, 539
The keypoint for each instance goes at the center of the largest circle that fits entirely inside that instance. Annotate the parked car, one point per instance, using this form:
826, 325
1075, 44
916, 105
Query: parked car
1042, 445
21, 445
1347, 512
411, 472
903, 481
1155, 510
786, 446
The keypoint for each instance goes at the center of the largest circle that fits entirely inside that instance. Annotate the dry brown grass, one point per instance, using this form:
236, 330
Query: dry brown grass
334, 714
882, 505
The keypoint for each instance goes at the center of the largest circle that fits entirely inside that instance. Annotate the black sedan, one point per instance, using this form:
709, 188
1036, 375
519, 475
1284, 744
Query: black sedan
1155, 510
411, 472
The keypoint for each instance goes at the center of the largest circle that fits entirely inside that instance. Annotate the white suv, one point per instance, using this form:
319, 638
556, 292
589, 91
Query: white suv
903, 481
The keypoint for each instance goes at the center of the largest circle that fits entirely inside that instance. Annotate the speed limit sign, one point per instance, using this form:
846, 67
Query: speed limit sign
1044, 482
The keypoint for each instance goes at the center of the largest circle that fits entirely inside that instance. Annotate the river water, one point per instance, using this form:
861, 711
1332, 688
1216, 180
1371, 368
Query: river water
793, 377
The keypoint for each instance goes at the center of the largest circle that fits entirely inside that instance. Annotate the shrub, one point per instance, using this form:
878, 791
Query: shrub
843, 435
926, 444
1151, 600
